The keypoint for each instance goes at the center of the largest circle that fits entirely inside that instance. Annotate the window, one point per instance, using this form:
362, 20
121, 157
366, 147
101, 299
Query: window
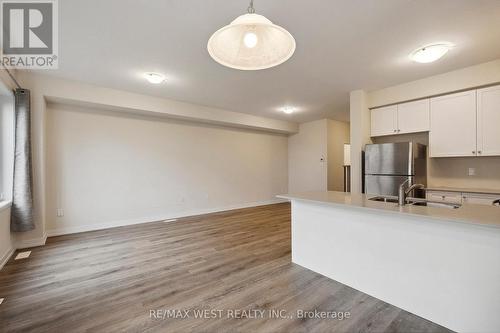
6, 142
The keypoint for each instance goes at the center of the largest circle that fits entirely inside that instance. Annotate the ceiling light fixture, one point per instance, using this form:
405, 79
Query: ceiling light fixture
430, 53
154, 78
251, 42
288, 109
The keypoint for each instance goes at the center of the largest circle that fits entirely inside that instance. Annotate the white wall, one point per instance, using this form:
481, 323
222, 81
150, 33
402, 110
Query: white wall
6, 160
46, 88
108, 168
306, 149
6, 168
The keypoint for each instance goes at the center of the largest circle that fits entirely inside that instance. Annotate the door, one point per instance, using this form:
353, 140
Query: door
413, 117
384, 185
488, 121
384, 121
453, 125
389, 159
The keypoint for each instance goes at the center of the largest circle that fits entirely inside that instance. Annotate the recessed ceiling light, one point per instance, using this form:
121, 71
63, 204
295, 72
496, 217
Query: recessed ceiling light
430, 53
288, 109
154, 78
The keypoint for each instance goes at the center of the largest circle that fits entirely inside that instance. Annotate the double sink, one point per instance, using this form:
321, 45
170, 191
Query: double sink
417, 202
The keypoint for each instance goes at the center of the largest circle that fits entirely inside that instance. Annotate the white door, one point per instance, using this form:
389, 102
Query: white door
488, 121
480, 199
453, 125
384, 121
413, 117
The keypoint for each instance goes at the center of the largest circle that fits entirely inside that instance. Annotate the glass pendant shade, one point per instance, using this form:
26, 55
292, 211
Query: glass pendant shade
251, 42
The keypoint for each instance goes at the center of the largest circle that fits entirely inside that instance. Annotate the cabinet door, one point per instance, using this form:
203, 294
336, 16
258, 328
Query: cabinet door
451, 197
453, 125
480, 199
384, 121
413, 117
488, 121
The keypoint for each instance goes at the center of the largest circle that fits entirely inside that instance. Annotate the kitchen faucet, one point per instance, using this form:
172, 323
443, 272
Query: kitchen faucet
402, 193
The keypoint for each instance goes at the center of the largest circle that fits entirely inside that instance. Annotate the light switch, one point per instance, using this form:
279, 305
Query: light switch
472, 171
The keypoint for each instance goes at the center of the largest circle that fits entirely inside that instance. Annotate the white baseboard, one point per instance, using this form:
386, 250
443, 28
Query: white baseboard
6, 257
121, 223
27, 243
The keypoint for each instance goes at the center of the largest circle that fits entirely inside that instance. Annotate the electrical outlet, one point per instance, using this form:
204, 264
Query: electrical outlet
60, 212
472, 171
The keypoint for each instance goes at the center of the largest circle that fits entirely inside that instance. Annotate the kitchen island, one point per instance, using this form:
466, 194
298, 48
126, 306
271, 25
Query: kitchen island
442, 264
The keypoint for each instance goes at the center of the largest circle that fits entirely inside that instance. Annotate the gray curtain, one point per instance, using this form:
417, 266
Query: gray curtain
22, 195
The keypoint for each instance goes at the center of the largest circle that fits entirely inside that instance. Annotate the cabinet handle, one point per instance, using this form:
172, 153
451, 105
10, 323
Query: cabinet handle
479, 152
473, 152
399, 130
395, 131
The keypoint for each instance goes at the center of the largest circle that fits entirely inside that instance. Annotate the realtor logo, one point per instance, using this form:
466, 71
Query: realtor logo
29, 34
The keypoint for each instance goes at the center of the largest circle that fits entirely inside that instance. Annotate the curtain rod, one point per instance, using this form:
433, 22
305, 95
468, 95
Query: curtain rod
12, 77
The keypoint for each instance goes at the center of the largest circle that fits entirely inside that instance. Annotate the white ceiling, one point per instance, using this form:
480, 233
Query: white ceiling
342, 45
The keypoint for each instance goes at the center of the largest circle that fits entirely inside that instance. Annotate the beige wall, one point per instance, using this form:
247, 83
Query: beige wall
338, 135
453, 172
467, 78
359, 135
108, 168
6, 241
307, 157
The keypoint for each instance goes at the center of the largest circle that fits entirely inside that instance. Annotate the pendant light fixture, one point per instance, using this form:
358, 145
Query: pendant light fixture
251, 42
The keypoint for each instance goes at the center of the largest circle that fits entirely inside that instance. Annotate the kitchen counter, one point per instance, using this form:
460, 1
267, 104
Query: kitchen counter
468, 213
464, 190
439, 263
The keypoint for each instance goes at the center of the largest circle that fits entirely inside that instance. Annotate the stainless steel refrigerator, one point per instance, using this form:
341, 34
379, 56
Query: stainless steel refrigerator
388, 165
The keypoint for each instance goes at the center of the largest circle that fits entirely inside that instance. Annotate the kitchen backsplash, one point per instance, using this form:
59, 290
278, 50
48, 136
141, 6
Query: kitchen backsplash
453, 171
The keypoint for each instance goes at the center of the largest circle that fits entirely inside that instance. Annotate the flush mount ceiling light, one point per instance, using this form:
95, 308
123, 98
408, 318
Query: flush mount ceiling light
430, 53
251, 42
154, 78
288, 109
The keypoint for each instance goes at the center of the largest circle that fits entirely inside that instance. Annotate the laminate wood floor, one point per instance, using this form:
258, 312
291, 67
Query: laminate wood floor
112, 280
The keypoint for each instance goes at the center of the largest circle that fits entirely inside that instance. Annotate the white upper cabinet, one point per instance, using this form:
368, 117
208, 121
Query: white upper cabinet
488, 121
384, 121
413, 117
453, 125
403, 118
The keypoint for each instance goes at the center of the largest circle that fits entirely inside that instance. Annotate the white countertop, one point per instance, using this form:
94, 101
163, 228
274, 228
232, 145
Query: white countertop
467, 213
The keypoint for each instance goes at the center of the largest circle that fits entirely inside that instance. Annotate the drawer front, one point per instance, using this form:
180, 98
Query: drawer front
452, 197
479, 199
